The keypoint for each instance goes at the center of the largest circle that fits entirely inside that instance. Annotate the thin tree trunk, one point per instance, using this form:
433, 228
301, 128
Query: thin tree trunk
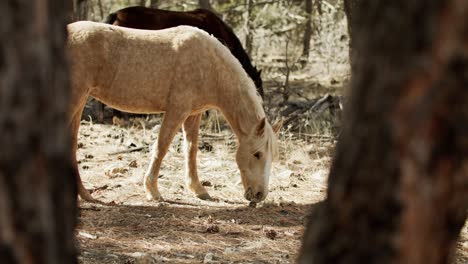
101, 9
81, 9
154, 3
307, 31
248, 28
205, 4
398, 185
142, 2
349, 6
37, 180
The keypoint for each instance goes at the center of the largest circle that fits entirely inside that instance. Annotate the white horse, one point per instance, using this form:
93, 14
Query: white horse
182, 72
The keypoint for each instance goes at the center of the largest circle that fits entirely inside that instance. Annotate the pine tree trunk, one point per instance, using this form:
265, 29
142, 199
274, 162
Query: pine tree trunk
398, 185
248, 28
205, 4
81, 9
37, 180
307, 30
349, 7
154, 3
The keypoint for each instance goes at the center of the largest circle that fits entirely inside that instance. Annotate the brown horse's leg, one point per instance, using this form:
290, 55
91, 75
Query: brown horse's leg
172, 121
191, 128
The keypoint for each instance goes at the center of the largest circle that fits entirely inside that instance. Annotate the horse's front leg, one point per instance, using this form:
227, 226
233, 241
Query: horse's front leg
191, 128
171, 122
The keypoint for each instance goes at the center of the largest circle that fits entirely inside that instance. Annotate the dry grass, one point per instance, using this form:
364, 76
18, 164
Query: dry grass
185, 229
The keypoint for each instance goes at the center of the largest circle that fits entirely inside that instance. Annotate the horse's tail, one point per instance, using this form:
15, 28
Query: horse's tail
111, 18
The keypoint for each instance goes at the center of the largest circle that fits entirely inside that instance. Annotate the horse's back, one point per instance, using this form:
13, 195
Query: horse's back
145, 66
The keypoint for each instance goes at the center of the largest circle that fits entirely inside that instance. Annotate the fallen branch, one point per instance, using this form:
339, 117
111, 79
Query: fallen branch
127, 151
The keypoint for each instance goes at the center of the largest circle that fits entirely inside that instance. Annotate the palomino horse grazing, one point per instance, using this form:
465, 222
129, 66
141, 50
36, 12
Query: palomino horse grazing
149, 18
182, 72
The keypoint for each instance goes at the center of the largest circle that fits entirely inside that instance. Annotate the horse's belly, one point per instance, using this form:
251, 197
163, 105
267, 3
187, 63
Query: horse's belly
133, 99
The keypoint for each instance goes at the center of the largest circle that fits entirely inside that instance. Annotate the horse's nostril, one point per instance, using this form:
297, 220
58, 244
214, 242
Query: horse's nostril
259, 195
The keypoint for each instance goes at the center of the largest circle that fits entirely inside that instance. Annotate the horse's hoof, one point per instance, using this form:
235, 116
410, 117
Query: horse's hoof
205, 196
154, 197
88, 198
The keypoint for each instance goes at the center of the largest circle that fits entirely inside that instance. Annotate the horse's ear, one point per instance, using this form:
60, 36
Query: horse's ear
277, 126
260, 129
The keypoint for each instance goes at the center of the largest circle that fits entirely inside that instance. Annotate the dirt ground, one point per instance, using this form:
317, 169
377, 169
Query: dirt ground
184, 229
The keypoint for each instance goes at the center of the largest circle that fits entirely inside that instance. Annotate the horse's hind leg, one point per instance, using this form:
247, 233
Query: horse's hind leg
172, 121
191, 128
77, 104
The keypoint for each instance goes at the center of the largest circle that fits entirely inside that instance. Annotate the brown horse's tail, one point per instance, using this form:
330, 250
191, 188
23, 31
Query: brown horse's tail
111, 18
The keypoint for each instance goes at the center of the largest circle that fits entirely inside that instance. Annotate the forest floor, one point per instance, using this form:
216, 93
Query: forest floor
183, 229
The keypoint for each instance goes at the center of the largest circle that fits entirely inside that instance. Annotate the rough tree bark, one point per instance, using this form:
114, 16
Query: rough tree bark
398, 185
37, 180
349, 7
307, 30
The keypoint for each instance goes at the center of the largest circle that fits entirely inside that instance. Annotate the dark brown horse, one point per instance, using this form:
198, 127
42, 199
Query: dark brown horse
148, 18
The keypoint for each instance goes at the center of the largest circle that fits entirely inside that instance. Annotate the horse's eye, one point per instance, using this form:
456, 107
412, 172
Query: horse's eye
258, 154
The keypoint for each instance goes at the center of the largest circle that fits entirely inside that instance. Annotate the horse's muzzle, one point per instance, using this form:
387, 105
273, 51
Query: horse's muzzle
254, 196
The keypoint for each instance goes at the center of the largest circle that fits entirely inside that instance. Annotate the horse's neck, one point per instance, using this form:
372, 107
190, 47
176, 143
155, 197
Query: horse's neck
243, 110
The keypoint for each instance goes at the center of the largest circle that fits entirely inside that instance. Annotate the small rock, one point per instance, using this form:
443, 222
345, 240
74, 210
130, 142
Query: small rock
80, 145
209, 257
89, 156
253, 204
206, 183
230, 250
205, 146
133, 164
116, 172
87, 235
270, 233
212, 229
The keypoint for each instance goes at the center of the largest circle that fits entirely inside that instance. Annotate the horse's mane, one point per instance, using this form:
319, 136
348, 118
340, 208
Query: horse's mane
238, 50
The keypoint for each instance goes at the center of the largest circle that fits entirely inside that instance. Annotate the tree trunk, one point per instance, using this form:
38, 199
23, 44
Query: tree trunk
307, 31
398, 185
37, 180
349, 7
142, 2
248, 28
205, 4
81, 9
154, 3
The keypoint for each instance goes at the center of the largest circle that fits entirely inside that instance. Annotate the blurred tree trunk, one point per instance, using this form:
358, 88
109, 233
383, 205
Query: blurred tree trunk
154, 3
248, 27
101, 9
37, 180
349, 7
80, 8
307, 31
142, 2
398, 185
205, 4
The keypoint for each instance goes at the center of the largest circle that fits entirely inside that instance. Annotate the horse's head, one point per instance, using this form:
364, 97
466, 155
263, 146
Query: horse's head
254, 157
